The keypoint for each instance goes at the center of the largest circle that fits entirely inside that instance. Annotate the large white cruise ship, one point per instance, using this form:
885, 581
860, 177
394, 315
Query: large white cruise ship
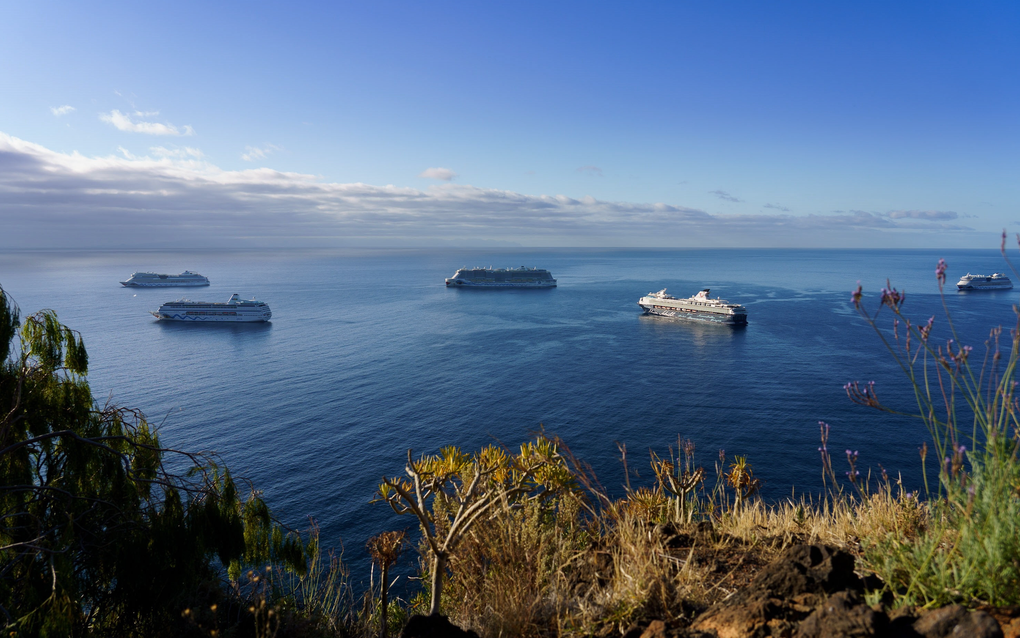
996, 281
501, 278
697, 307
234, 309
151, 279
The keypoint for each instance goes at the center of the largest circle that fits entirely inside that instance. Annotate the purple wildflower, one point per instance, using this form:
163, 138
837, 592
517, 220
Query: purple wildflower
926, 330
893, 298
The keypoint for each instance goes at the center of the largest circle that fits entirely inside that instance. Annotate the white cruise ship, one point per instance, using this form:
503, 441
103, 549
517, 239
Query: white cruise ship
235, 309
697, 307
152, 280
501, 278
995, 281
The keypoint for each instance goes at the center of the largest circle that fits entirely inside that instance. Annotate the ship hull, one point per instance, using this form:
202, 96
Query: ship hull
186, 318
460, 283
698, 315
996, 286
131, 284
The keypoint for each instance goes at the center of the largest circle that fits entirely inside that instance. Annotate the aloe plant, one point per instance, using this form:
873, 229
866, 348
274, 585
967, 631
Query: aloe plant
449, 492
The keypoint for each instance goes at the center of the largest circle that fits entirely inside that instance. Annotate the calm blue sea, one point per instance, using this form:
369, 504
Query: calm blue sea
368, 354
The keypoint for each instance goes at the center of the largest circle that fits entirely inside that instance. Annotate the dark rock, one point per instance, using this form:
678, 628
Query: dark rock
939, 622
872, 582
655, 629
782, 594
434, 626
843, 615
901, 623
665, 530
955, 621
814, 569
749, 617
671, 536
1008, 617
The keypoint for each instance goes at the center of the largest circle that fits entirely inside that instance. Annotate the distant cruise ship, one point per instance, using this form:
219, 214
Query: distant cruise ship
502, 278
235, 309
997, 281
697, 307
151, 279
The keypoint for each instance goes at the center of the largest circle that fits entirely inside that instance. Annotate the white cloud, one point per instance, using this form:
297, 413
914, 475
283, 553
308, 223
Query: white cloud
252, 153
61, 111
443, 174
124, 122
594, 171
179, 153
50, 199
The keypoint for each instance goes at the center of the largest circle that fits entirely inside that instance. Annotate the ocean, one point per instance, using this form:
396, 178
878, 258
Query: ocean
368, 355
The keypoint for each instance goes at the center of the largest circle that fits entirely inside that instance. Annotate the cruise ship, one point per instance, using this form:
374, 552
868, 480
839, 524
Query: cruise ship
995, 281
151, 279
522, 277
697, 307
234, 309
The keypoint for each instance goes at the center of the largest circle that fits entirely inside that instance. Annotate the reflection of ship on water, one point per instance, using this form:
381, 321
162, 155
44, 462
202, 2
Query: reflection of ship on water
696, 334
700, 307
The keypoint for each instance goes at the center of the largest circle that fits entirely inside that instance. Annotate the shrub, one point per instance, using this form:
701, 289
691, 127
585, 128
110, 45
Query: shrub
97, 537
970, 549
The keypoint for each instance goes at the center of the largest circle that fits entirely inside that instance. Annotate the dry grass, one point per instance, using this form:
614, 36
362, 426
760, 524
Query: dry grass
555, 569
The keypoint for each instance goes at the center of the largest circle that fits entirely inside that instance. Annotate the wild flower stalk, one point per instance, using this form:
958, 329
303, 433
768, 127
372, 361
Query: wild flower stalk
385, 550
943, 379
827, 472
971, 550
853, 474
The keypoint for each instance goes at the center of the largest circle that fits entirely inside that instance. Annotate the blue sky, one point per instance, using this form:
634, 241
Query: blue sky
545, 124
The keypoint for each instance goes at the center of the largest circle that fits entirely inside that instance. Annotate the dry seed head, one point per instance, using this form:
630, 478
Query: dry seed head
385, 548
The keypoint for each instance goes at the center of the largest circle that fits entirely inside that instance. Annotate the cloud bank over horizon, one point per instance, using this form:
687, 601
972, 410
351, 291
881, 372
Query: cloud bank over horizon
177, 199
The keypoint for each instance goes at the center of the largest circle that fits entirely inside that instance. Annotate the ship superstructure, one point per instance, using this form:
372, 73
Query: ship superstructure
156, 280
995, 281
522, 277
700, 306
235, 309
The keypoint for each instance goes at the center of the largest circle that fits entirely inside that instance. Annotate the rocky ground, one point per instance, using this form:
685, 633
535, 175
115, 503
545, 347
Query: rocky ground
810, 591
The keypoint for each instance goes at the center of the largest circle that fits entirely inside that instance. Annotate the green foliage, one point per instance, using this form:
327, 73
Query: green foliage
971, 548
96, 536
451, 491
970, 552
